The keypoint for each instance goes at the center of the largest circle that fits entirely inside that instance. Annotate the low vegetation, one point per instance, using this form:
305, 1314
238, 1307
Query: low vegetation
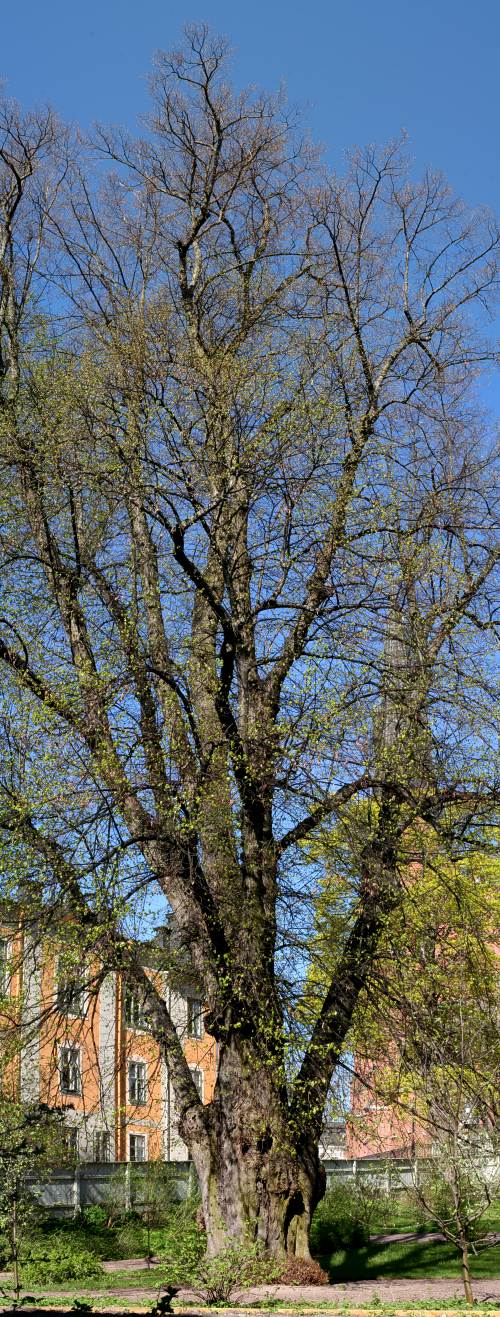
68, 1254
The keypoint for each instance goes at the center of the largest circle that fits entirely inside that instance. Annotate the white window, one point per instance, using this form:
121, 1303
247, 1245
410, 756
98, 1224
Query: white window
197, 1077
194, 1017
137, 1147
134, 1011
70, 1077
137, 1083
4, 966
102, 1146
70, 993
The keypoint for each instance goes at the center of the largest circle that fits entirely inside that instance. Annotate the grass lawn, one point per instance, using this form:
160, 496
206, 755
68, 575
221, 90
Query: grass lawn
399, 1213
412, 1259
149, 1279
408, 1260
374, 1262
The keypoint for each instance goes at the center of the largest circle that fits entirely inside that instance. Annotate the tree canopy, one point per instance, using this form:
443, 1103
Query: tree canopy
248, 541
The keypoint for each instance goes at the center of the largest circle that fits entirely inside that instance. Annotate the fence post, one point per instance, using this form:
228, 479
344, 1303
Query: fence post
76, 1191
128, 1199
191, 1179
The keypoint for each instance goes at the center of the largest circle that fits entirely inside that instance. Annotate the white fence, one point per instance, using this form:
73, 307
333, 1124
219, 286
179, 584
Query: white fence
89, 1184
69, 1191
390, 1174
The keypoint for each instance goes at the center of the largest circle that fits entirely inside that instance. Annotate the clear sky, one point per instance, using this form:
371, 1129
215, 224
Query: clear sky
362, 70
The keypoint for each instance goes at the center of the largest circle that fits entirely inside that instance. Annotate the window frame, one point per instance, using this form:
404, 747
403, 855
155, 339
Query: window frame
67, 1091
138, 1160
137, 1101
69, 986
73, 1141
100, 1137
5, 970
195, 1024
139, 1024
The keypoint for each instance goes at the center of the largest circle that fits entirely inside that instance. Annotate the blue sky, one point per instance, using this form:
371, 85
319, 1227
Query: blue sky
362, 71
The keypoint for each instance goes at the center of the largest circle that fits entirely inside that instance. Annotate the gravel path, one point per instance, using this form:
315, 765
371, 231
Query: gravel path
404, 1292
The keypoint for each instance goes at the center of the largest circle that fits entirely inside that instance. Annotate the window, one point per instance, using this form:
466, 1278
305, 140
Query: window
137, 1146
194, 1017
70, 994
137, 1083
102, 1146
4, 965
134, 1011
69, 1070
197, 1077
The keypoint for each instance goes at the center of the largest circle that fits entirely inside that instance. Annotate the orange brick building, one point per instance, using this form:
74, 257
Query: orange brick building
77, 1038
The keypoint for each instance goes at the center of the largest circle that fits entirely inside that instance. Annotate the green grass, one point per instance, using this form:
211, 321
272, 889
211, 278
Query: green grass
375, 1261
406, 1260
395, 1214
416, 1305
149, 1279
104, 1302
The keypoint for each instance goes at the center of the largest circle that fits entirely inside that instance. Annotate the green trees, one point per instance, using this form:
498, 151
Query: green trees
456, 1185
31, 1140
239, 441
425, 1035
432, 993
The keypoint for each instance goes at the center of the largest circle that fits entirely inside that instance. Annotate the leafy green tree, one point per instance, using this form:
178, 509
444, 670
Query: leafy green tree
457, 1184
433, 982
240, 447
31, 1141
425, 1037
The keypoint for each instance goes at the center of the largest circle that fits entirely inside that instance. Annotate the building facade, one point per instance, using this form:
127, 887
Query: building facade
78, 1039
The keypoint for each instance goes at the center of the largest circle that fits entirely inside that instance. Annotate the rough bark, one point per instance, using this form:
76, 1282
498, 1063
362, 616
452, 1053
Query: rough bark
259, 1180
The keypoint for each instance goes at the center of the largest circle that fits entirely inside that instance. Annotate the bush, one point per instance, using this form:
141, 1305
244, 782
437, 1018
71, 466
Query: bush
81, 1234
130, 1239
303, 1271
340, 1220
95, 1217
235, 1268
55, 1260
153, 1192
181, 1244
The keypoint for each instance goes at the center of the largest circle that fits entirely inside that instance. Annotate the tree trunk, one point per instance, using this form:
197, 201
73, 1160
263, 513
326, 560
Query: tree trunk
15, 1252
466, 1275
259, 1179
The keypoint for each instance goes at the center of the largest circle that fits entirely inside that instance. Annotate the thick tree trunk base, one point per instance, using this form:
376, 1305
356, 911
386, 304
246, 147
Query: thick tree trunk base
259, 1184
273, 1209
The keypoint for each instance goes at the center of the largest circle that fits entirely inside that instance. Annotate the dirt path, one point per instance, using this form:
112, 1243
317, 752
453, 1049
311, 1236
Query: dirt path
400, 1291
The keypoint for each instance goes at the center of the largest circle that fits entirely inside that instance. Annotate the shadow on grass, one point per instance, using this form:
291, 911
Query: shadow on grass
406, 1261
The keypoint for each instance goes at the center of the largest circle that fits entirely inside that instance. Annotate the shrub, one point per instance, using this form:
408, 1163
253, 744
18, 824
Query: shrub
130, 1239
78, 1235
95, 1217
236, 1267
55, 1260
340, 1220
303, 1271
153, 1192
181, 1244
